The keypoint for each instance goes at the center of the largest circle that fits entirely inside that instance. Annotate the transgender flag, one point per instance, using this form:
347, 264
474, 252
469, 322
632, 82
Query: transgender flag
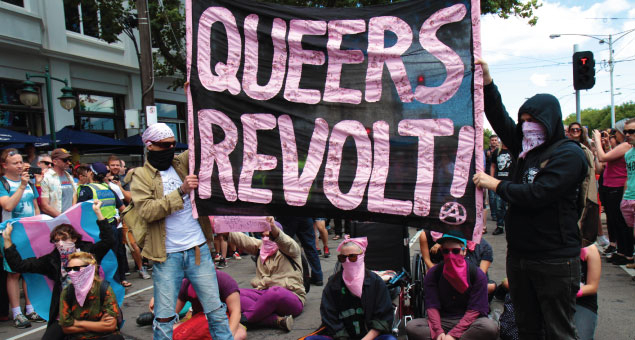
31, 237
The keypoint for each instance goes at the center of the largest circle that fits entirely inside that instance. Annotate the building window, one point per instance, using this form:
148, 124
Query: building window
173, 114
18, 117
82, 17
100, 113
15, 2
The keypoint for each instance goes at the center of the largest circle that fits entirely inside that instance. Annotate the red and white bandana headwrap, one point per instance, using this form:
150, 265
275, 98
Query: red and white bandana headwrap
156, 132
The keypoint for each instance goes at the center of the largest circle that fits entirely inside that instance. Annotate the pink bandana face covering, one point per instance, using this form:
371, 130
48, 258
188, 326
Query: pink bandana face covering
353, 272
82, 282
267, 249
455, 271
534, 135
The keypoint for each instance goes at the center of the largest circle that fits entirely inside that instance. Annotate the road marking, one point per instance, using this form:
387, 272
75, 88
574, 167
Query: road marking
44, 327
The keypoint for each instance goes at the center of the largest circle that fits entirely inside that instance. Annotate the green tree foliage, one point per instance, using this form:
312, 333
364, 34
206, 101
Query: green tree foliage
486, 133
601, 118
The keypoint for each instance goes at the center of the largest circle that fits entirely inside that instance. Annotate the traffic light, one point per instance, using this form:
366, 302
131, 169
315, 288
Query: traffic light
583, 70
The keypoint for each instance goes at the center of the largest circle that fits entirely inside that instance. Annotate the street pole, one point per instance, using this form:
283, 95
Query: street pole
611, 72
145, 67
49, 102
578, 118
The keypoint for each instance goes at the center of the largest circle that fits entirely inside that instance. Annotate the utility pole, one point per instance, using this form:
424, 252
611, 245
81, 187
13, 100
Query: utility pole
145, 66
611, 71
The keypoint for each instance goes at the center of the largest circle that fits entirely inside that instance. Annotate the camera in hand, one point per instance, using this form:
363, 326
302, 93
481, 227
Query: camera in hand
115, 178
34, 170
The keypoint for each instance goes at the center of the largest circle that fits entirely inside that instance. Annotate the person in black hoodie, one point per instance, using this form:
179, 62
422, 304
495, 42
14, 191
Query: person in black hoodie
543, 240
68, 240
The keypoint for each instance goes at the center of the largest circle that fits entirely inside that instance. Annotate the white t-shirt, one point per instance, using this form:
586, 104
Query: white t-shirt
182, 230
116, 189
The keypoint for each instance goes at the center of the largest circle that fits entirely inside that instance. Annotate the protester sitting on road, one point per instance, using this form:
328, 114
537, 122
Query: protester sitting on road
586, 309
196, 327
614, 179
278, 293
455, 297
18, 198
67, 240
83, 314
429, 249
355, 301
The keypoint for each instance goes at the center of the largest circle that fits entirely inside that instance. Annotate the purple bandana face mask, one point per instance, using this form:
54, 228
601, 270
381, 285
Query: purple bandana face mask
267, 249
534, 135
82, 282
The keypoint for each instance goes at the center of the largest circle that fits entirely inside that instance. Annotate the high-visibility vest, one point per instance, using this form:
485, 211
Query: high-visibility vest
102, 192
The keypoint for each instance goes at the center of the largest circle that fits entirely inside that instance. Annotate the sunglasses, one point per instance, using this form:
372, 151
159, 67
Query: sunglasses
165, 145
47, 163
75, 268
629, 132
455, 251
575, 130
351, 258
12, 153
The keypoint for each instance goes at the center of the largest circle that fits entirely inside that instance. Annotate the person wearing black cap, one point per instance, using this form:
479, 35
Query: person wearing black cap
98, 189
455, 297
543, 239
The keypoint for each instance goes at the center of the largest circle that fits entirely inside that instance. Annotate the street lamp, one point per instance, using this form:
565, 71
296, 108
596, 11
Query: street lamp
610, 41
29, 97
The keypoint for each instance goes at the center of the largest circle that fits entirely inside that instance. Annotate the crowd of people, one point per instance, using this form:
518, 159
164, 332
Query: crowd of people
547, 185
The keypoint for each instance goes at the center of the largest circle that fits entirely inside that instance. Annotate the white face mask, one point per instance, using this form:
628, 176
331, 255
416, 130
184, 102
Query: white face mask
534, 135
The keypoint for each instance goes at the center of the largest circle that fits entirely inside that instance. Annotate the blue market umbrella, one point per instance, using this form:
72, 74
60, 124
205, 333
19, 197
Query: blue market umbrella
13, 137
70, 136
138, 142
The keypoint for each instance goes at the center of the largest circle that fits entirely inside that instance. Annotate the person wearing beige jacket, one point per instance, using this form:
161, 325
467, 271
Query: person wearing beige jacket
174, 239
278, 293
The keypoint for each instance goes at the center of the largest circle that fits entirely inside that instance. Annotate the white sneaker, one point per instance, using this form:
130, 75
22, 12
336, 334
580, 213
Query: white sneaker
602, 241
144, 274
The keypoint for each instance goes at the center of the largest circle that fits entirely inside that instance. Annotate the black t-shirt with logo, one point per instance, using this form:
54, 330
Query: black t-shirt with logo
503, 164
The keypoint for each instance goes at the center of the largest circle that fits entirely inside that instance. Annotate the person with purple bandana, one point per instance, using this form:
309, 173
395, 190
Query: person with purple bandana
456, 297
278, 293
355, 302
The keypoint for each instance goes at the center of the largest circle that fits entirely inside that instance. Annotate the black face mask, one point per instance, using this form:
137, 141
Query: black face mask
161, 160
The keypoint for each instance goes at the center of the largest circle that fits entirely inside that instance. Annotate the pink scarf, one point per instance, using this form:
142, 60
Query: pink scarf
534, 135
353, 272
455, 271
267, 249
82, 282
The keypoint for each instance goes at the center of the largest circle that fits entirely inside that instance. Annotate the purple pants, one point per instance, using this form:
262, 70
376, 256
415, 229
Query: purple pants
263, 307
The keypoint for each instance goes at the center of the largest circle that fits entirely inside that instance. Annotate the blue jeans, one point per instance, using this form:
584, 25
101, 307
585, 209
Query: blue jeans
501, 211
167, 277
585, 322
303, 228
491, 195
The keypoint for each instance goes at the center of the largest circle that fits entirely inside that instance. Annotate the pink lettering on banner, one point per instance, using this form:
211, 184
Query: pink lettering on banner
376, 200
463, 161
250, 72
299, 57
252, 160
296, 187
452, 62
391, 56
226, 72
227, 224
332, 90
353, 198
216, 153
425, 130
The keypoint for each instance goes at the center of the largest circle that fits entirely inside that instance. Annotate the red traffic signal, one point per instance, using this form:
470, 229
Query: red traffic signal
583, 70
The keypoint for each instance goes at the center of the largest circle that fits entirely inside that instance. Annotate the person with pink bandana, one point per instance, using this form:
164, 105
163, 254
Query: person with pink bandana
278, 295
455, 297
355, 302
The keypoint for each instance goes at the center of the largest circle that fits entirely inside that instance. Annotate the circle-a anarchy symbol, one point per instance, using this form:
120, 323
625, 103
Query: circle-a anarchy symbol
453, 213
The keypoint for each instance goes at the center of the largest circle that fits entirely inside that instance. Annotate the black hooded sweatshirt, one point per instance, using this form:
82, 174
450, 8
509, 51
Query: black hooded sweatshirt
541, 222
